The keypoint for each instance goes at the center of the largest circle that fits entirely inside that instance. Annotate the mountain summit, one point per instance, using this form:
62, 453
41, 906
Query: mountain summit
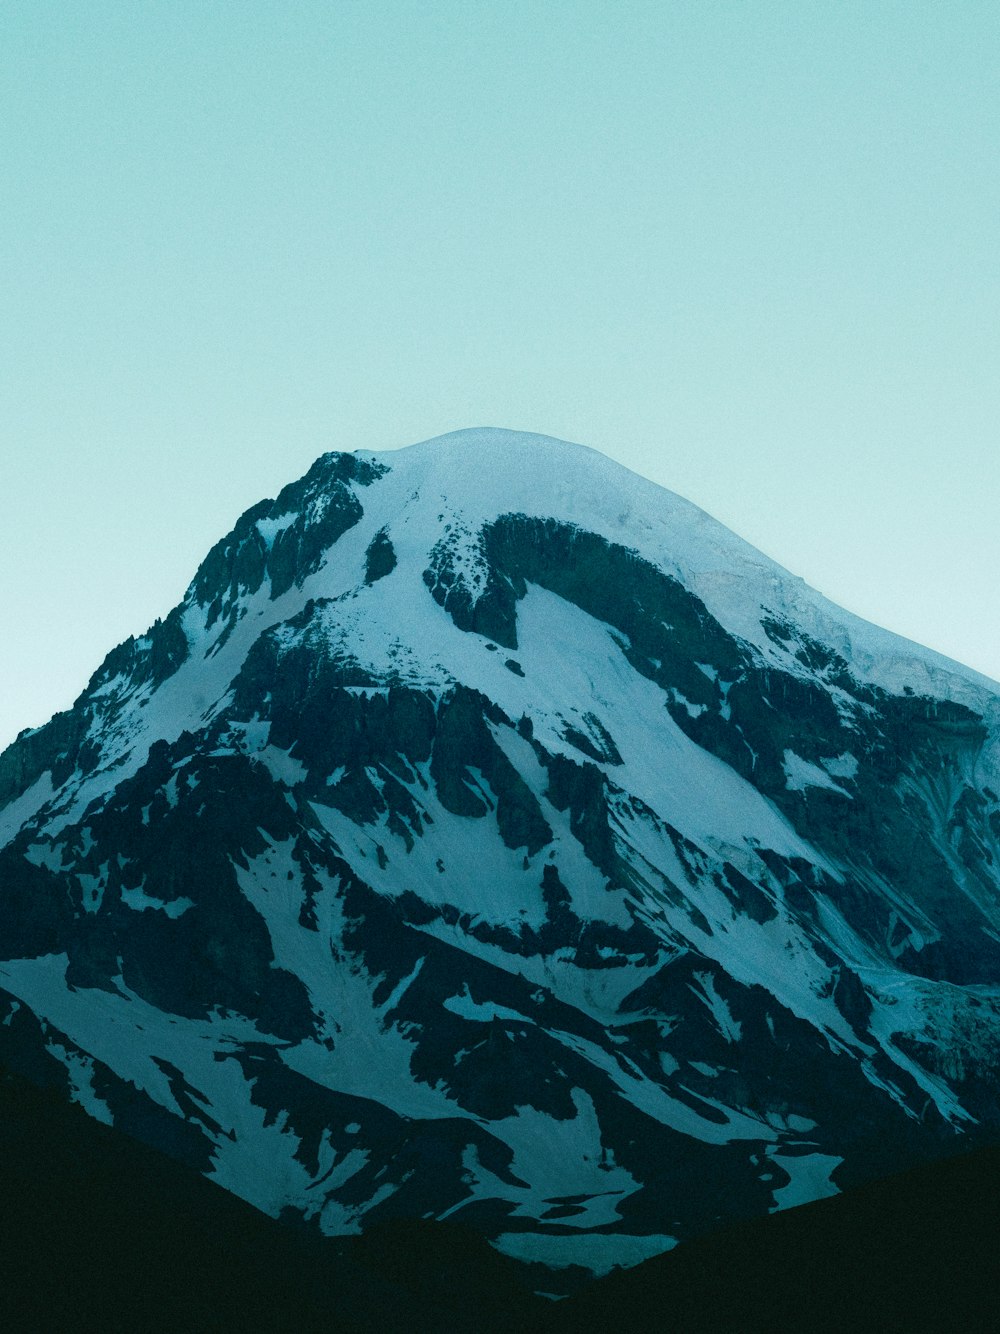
489, 835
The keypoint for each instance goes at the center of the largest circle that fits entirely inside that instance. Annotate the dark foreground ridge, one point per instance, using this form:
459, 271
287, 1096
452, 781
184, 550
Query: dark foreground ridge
915, 1252
100, 1232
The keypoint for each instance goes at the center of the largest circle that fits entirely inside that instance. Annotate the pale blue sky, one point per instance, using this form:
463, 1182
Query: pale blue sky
752, 250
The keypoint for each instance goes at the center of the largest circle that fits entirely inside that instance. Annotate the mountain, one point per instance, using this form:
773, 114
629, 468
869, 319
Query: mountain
491, 837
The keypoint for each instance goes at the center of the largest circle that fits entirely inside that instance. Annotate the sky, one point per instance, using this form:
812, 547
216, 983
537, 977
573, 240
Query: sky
750, 250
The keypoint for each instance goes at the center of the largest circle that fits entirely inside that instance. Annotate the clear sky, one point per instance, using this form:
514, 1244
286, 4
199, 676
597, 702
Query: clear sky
750, 249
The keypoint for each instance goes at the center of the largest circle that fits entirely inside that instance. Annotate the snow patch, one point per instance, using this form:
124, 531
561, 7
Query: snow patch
270, 528
704, 989
801, 774
810, 1178
842, 766
23, 808
600, 1252
80, 1068
140, 901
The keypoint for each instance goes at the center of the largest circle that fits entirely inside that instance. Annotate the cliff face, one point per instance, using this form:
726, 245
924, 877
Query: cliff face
488, 835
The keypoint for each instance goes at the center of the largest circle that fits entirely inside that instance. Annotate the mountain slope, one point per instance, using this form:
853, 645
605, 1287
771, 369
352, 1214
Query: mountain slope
491, 836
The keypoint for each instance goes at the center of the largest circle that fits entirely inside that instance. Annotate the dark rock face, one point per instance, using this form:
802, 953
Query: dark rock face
664, 922
380, 558
285, 539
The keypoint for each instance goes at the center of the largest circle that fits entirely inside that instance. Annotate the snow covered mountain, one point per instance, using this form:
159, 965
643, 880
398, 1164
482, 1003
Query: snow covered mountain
490, 835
